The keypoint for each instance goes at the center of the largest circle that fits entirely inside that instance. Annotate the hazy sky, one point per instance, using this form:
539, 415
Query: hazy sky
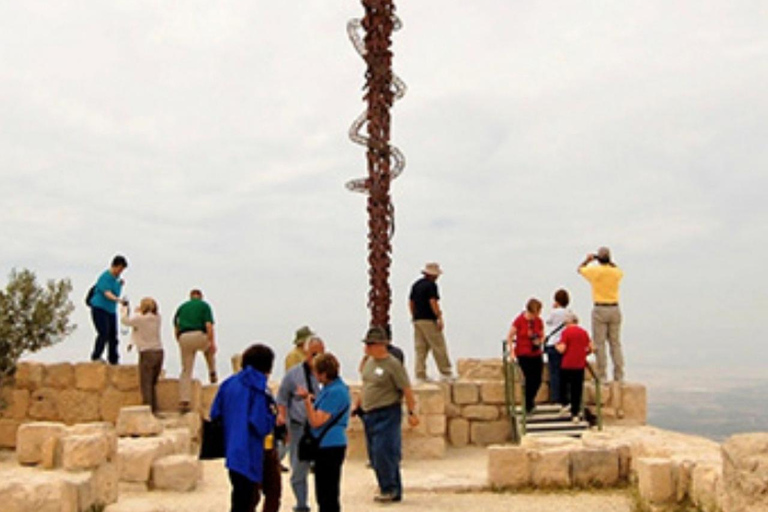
208, 143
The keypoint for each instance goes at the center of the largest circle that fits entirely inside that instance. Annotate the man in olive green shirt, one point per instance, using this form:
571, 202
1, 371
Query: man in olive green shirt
385, 384
193, 325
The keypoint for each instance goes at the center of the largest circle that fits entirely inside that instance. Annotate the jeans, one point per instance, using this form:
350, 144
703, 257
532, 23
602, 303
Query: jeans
531, 367
299, 469
328, 478
245, 493
383, 429
106, 335
553, 363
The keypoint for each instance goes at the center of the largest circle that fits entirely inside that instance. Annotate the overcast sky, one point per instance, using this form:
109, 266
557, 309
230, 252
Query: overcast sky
208, 143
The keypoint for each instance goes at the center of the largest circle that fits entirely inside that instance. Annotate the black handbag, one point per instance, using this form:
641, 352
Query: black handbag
212, 443
309, 445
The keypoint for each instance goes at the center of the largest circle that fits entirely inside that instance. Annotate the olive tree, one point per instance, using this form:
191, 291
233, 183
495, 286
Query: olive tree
32, 316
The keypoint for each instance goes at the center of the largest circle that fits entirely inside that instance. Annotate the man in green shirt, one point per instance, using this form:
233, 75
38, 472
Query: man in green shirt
193, 325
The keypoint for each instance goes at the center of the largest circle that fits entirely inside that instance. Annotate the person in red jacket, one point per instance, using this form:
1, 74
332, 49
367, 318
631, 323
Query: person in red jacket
575, 346
525, 339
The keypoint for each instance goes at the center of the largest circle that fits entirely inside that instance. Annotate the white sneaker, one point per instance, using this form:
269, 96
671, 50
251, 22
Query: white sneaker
564, 411
447, 378
576, 419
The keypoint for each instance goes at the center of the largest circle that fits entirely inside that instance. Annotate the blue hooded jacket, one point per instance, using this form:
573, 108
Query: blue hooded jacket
244, 407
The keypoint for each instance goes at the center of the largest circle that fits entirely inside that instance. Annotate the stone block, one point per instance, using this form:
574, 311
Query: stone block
176, 473
655, 480
181, 439
113, 400
124, 377
192, 422
465, 393
480, 412
595, 467
550, 468
452, 410
634, 403
458, 432
81, 485
43, 405
76, 406
706, 487
508, 467
492, 392
50, 453
435, 423
207, 396
745, 472
590, 394
59, 376
40, 492
29, 375
168, 395
592, 439
480, 369
30, 438
102, 428
84, 451
136, 455
423, 447
105, 483
430, 400
138, 421
490, 432
8, 430
92, 376
16, 403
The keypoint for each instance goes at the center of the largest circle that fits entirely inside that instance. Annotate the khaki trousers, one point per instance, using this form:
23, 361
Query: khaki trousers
606, 326
189, 344
426, 337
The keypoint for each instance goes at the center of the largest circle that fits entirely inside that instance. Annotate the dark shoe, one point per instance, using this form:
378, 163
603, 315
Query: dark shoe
386, 497
213, 378
284, 468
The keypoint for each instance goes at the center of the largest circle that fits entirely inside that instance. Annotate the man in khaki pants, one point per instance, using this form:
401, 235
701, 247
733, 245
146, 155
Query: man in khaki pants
428, 324
193, 325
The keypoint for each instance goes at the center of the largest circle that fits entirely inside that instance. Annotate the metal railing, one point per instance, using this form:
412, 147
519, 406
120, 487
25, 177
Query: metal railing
512, 374
598, 397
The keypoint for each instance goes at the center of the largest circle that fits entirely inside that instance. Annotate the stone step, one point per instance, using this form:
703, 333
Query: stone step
557, 433
556, 426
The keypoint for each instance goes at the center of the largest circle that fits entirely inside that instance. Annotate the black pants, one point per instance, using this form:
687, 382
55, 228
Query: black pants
272, 487
572, 381
106, 335
532, 367
328, 478
245, 493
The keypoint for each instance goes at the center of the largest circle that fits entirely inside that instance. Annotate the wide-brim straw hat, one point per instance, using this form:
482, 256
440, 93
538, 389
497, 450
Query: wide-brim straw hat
432, 269
302, 334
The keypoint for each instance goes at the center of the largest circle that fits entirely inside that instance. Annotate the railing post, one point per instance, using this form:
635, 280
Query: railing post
509, 392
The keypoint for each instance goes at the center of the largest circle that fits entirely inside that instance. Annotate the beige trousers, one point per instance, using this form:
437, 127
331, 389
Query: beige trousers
606, 326
426, 337
189, 344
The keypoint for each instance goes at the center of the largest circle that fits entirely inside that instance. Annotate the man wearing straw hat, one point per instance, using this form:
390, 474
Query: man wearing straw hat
298, 354
428, 324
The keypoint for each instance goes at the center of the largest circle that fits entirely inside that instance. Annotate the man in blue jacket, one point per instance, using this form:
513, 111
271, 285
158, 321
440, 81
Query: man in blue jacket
244, 408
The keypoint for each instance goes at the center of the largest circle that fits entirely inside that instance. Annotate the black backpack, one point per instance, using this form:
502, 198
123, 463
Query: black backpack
89, 295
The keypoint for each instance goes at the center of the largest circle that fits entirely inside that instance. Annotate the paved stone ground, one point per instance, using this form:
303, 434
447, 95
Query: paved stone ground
456, 483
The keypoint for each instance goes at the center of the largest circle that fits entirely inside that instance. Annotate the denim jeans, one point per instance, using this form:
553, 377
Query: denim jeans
553, 362
383, 429
299, 469
106, 335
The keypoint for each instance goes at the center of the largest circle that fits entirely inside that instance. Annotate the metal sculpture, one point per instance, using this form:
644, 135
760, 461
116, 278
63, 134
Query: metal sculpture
385, 161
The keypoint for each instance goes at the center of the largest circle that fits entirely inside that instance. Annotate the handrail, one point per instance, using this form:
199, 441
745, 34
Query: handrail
598, 397
511, 373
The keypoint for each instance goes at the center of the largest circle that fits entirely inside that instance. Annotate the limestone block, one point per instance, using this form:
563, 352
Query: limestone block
492, 392
124, 377
113, 400
595, 467
40, 492
634, 403
745, 472
29, 375
76, 406
207, 396
465, 393
59, 376
706, 487
30, 438
550, 442
181, 439
168, 395
480, 412
430, 400
655, 480
192, 422
84, 451
483, 433
16, 403
590, 393
8, 430
452, 410
435, 423
508, 467
43, 405
423, 447
92, 376
480, 369
102, 428
550, 468
50, 453
81, 485
138, 421
592, 439
136, 455
105, 483
458, 432
176, 473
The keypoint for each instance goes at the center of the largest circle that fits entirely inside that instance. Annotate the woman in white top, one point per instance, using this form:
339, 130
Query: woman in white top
146, 336
555, 324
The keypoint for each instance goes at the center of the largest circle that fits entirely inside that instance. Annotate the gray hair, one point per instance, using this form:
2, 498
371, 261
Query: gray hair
311, 341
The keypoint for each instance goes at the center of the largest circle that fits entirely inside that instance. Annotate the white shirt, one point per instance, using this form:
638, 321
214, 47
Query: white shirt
555, 320
146, 330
